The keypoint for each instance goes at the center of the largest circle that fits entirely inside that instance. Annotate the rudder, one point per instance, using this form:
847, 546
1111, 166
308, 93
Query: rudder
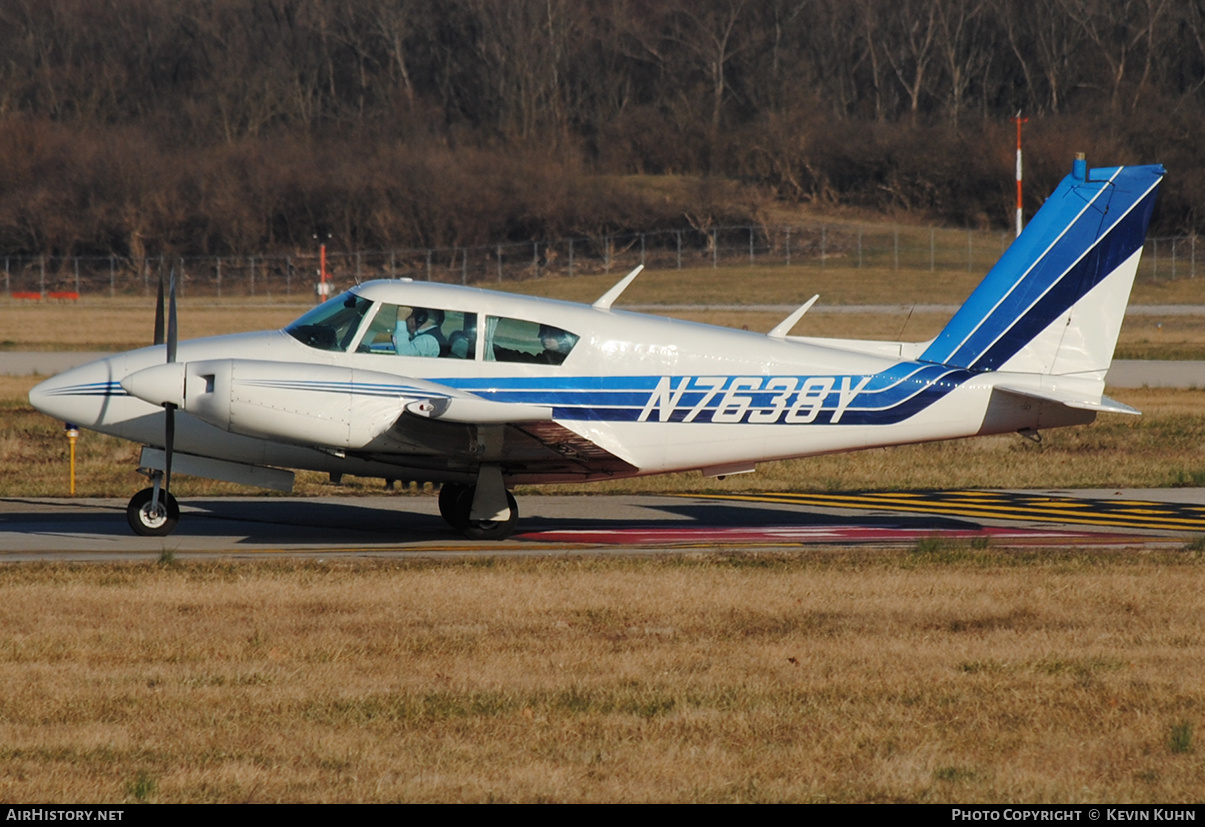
1054, 302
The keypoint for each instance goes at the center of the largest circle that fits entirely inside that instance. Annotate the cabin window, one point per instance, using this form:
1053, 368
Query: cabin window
515, 340
444, 334
331, 325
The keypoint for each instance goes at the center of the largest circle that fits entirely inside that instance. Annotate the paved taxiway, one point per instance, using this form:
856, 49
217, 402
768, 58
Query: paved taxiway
408, 526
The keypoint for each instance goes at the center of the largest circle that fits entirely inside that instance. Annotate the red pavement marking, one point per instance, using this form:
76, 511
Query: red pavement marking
813, 535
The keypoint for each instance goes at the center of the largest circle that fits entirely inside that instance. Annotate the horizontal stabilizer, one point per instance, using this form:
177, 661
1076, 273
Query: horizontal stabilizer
1072, 400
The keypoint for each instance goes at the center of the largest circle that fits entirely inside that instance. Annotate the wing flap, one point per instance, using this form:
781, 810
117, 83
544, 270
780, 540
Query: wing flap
545, 449
457, 428
578, 449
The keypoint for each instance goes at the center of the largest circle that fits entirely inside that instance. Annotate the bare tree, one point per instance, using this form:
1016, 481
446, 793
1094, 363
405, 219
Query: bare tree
873, 35
1121, 30
909, 32
962, 44
523, 46
393, 23
1047, 46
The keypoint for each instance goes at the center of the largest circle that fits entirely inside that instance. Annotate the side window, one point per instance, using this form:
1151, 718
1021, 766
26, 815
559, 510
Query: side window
514, 340
401, 330
460, 329
379, 336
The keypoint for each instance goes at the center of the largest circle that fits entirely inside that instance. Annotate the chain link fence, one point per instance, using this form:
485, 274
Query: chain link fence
297, 274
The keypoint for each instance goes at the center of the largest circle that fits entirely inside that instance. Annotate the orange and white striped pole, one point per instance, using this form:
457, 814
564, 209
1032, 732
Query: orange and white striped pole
322, 290
325, 290
1018, 121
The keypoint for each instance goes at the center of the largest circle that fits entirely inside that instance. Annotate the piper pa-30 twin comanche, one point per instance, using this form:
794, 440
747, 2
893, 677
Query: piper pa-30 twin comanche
480, 390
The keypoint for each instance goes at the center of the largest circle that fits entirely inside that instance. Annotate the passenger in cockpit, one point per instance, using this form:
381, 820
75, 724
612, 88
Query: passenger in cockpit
557, 343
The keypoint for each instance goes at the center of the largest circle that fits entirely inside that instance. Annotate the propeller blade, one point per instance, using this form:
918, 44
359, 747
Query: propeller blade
169, 410
169, 440
171, 321
159, 312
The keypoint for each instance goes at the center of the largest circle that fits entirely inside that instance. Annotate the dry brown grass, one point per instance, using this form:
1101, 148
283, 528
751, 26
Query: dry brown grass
122, 324
1180, 291
1168, 337
941, 674
766, 285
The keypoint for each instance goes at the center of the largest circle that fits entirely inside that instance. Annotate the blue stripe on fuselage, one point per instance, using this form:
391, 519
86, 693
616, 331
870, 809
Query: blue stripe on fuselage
890, 396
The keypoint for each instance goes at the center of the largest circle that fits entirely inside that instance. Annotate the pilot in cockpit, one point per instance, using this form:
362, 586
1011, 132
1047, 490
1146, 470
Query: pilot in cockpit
420, 334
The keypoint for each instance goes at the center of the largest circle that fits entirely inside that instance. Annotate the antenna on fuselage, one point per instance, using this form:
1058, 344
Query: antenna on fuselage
607, 299
784, 327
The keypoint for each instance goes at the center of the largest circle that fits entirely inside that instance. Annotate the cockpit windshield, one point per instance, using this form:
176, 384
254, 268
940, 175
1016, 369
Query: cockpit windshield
331, 325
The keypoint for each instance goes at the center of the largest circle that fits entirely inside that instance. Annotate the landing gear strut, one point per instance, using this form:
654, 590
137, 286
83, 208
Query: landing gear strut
150, 519
456, 507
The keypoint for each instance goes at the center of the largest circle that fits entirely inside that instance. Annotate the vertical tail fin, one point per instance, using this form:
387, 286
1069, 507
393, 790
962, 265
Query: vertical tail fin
1054, 302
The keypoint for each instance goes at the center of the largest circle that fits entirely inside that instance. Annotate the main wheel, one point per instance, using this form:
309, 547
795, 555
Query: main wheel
450, 507
148, 520
492, 529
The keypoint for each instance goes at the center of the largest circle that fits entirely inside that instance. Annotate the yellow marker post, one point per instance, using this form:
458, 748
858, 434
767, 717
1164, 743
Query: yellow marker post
72, 436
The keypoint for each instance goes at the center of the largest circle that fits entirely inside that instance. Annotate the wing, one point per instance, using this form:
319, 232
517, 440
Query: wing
374, 415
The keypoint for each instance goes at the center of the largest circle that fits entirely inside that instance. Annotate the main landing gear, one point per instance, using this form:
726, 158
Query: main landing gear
153, 516
485, 511
456, 507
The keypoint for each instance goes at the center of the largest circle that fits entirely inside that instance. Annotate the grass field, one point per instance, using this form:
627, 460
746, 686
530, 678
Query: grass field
944, 673
941, 674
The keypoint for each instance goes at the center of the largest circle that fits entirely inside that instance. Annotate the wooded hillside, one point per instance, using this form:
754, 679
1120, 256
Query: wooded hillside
130, 127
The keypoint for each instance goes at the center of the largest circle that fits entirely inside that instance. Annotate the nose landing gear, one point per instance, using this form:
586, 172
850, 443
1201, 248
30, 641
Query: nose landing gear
153, 512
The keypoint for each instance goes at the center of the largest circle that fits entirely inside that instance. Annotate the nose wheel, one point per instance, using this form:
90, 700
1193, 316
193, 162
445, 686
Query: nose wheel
151, 518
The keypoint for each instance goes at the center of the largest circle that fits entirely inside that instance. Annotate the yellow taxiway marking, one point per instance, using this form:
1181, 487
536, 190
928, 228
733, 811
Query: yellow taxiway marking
1005, 505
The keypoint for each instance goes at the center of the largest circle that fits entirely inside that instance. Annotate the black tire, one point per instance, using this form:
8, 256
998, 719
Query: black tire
148, 524
493, 529
449, 505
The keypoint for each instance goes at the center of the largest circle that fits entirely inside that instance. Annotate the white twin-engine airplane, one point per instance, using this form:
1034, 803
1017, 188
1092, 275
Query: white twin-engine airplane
481, 390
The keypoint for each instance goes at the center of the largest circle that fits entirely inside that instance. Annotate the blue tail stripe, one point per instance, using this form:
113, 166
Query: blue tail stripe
1090, 271
1043, 231
1010, 303
1045, 272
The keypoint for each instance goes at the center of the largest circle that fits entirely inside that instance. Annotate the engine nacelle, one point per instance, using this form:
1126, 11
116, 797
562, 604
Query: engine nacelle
320, 405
